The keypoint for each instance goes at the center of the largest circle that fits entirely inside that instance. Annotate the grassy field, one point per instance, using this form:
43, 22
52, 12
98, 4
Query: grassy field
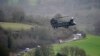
15, 26
91, 45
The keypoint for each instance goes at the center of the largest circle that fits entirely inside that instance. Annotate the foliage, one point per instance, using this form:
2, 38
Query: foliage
44, 51
72, 51
97, 27
18, 16
30, 53
3, 37
4, 51
2, 16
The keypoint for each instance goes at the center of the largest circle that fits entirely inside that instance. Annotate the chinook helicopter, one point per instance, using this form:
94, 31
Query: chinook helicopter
55, 23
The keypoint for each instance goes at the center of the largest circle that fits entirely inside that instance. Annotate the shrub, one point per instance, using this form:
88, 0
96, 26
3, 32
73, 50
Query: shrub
44, 51
71, 51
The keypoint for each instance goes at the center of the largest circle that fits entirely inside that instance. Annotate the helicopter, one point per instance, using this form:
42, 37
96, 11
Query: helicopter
56, 24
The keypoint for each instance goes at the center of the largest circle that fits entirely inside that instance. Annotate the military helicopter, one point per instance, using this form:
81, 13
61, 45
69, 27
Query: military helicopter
55, 23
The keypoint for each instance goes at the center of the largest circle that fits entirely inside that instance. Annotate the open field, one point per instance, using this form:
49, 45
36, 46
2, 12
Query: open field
15, 26
91, 45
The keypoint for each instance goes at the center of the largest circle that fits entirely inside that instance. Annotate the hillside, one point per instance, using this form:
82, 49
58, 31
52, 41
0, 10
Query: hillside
15, 26
91, 45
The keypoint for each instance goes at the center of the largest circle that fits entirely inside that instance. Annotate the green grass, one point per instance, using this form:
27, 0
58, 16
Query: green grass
91, 45
15, 26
